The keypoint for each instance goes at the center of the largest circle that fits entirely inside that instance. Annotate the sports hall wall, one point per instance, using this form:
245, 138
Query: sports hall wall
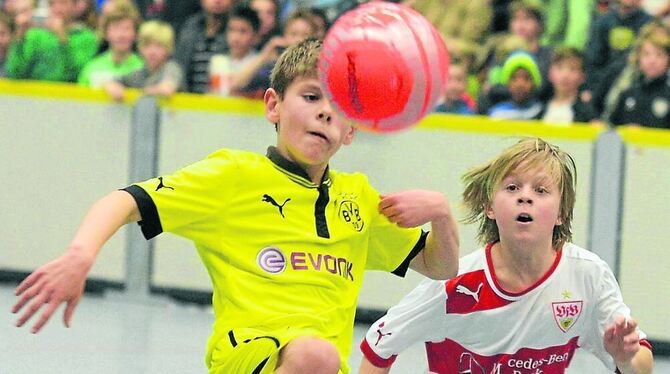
63, 147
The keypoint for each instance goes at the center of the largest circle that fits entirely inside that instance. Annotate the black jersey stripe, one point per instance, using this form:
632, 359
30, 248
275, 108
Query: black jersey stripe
418, 247
150, 223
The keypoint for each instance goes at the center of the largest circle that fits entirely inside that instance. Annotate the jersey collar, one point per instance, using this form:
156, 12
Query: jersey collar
293, 168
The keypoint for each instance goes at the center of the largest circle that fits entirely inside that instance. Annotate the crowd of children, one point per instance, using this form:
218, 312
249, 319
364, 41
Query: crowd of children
228, 47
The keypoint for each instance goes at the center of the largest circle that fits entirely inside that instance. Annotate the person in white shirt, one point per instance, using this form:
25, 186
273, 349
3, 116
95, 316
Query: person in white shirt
526, 301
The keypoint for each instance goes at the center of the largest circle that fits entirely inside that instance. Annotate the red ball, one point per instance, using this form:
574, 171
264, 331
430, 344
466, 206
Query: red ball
383, 66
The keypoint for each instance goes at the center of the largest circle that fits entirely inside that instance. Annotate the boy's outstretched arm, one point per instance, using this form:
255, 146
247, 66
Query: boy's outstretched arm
622, 342
62, 280
439, 258
368, 368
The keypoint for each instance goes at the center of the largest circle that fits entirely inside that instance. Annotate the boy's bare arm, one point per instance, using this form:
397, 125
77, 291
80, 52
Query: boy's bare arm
62, 280
439, 258
368, 368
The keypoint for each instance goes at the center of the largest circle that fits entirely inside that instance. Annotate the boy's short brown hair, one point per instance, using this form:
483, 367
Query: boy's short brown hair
532, 7
296, 61
567, 53
122, 10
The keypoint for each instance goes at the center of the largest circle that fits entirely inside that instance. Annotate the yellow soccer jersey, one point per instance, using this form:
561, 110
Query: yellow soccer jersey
281, 251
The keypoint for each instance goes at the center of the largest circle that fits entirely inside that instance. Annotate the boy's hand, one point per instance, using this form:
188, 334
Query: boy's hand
622, 340
115, 90
61, 280
414, 208
271, 49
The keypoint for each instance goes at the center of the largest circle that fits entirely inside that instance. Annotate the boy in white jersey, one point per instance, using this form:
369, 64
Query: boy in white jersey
284, 238
530, 298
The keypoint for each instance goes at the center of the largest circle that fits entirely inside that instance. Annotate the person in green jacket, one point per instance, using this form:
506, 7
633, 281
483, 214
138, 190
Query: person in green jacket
568, 22
55, 50
120, 30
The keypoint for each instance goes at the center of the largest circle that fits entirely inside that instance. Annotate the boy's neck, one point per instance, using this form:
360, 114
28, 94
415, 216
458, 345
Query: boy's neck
517, 268
119, 57
564, 97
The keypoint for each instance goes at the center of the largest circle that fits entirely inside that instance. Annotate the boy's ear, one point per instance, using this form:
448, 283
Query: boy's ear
272, 103
559, 221
349, 136
489, 212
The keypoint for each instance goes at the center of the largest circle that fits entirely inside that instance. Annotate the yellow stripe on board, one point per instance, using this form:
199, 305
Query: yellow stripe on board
485, 125
208, 103
61, 90
644, 136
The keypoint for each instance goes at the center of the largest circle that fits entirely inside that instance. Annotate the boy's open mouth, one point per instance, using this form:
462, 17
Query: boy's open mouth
524, 218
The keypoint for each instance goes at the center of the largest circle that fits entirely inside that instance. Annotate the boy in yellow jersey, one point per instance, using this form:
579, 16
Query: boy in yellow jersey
284, 238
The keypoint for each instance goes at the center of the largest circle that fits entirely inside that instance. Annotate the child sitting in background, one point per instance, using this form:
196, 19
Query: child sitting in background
566, 74
120, 29
55, 50
522, 77
456, 99
647, 101
254, 78
242, 34
160, 76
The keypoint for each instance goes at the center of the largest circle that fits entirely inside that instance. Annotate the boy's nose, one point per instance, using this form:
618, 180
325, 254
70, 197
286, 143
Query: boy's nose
325, 117
525, 200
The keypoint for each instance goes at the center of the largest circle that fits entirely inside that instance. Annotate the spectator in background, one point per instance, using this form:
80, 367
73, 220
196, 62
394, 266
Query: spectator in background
526, 22
320, 21
628, 75
85, 13
647, 101
242, 32
460, 22
567, 22
202, 36
254, 79
120, 30
456, 100
566, 74
174, 12
55, 51
6, 32
494, 90
611, 39
267, 12
160, 76
522, 77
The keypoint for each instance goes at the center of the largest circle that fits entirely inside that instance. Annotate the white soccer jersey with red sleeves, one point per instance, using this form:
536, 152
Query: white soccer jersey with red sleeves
471, 325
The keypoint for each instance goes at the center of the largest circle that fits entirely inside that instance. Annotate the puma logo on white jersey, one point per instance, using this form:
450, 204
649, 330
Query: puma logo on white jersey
464, 290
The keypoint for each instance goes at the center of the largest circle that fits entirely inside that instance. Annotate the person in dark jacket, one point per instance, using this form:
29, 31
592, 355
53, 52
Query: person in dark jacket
647, 102
202, 35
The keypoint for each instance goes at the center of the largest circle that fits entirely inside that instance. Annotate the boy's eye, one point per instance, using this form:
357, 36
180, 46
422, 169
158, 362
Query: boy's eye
511, 187
541, 190
311, 97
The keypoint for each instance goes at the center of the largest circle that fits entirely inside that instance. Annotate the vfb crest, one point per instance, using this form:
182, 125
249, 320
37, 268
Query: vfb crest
350, 214
566, 313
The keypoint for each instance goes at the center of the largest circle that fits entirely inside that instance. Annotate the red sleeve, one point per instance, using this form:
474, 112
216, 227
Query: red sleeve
374, 358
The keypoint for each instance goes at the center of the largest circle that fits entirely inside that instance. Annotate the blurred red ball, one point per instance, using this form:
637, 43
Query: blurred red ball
383, 66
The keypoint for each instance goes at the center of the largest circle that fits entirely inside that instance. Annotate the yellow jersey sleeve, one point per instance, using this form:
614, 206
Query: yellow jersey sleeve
390, 247
188, 200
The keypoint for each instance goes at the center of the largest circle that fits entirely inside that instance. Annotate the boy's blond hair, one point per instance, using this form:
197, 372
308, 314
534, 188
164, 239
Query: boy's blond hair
481, 184
158, 32
296, 61
122, 10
